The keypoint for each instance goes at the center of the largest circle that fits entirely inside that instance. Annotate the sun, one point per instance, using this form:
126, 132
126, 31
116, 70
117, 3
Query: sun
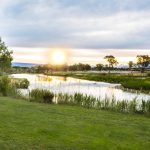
58, 57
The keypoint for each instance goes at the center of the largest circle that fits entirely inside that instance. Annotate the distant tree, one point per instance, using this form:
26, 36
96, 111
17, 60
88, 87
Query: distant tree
79, 67
111, 61
87, 67
99, 66
5, 57
72, 67
130, 63
143, 61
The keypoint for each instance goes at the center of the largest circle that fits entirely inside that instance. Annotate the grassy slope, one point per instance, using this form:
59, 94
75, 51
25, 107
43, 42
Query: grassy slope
26, 125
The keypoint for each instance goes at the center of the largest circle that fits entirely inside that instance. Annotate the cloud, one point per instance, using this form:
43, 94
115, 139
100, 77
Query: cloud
86, 24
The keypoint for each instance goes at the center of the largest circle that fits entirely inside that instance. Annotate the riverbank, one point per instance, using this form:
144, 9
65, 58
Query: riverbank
27, 125
139, 83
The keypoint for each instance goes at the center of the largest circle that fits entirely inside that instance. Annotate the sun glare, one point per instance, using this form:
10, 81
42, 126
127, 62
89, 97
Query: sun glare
58, 57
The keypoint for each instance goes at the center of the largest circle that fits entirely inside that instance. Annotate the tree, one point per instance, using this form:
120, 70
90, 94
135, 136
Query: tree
111, 61
87, 67
130, 63
143, 61
79, 67
99, 66
5, 57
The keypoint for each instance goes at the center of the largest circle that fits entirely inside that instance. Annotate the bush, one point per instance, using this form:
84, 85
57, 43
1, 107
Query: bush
5, 85
7, 88
21, 83
41, 96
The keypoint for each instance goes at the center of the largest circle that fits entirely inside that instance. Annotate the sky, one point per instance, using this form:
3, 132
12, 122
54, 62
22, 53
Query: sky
88, 29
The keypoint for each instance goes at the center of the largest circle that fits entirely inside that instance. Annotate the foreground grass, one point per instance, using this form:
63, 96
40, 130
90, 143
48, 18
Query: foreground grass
25, 125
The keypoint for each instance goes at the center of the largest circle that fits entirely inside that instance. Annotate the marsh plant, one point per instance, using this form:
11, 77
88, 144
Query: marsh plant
87, 101
20, 83
76, 99
7, 88
41, 96
5, 85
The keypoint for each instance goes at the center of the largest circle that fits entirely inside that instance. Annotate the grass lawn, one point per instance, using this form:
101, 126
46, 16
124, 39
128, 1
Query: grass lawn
26, 126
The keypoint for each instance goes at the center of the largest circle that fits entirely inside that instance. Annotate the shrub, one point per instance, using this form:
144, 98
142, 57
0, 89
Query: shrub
41, 95
21, 83
24, 83
7, 88
4, 85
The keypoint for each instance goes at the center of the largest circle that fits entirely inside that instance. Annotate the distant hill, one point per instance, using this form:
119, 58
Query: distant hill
20, 64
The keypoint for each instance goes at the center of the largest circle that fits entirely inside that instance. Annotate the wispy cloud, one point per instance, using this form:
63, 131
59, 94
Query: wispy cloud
76, 24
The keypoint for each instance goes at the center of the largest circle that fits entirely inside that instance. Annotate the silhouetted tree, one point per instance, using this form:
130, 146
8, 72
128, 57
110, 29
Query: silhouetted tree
111, 61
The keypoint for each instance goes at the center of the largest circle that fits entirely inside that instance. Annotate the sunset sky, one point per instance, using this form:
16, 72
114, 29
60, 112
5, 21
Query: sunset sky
86, 30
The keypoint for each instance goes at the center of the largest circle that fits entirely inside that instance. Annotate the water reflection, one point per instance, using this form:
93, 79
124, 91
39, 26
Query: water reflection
71, 85
41, 78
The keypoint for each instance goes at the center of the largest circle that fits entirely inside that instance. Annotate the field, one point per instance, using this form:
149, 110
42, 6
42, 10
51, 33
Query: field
26, 125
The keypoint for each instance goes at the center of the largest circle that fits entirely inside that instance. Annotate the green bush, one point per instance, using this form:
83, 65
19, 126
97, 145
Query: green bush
5, 85
41, 96
21, 83
7, 88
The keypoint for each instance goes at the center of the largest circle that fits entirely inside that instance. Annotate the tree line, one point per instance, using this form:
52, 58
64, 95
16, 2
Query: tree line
143, 61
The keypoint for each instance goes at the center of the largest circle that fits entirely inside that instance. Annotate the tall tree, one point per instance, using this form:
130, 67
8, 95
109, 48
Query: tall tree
5, 57
111, 61
143, 61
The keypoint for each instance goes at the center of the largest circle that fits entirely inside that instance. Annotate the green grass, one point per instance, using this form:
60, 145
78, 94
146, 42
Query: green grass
26, 125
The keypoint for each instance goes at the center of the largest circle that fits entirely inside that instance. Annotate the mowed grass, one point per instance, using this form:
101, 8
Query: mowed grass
26, 126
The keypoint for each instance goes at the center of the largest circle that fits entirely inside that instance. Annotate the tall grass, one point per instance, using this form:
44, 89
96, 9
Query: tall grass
41, 96
76, 99
86, 101
21, 83
7, 88
5, 85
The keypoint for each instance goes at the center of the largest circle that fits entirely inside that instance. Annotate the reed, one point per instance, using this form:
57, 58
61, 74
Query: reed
8, 88
20, 83
5, 85
147, 107
123, 106
41, 96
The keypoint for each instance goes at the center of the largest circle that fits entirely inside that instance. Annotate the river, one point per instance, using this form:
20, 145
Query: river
71, 85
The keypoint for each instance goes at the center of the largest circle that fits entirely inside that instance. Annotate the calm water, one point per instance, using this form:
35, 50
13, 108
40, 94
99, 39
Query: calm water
72, 85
